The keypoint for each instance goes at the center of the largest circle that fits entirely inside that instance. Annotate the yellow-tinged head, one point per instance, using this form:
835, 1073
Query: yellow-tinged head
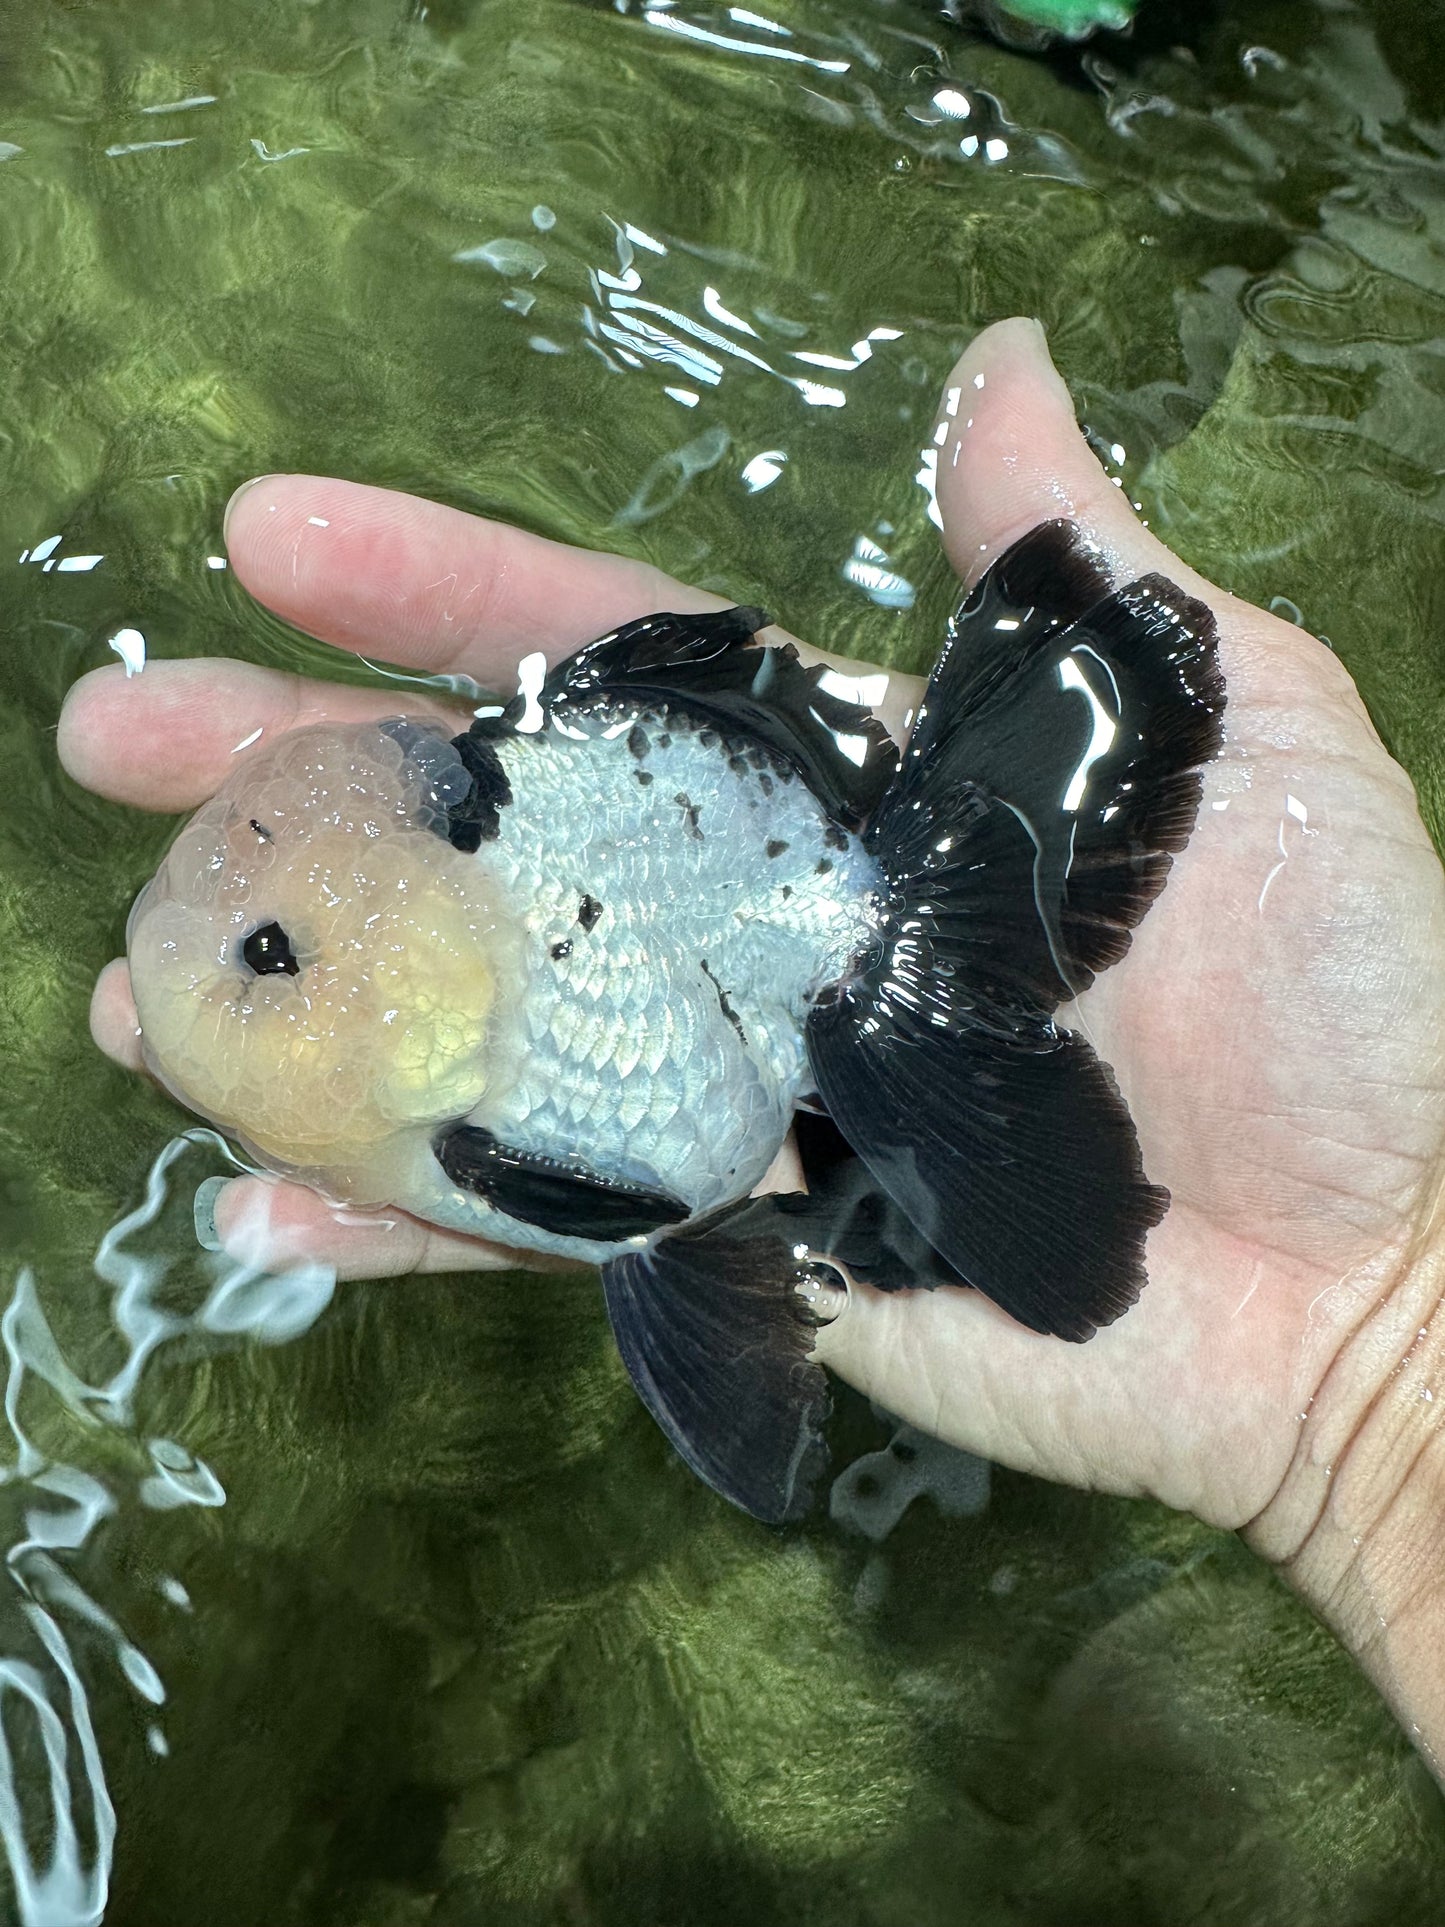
315, 967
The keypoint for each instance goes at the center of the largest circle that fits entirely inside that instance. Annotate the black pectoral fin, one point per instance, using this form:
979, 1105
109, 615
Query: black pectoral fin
651, 648
1014, 1156
708, 666
715, 1334
560, 1196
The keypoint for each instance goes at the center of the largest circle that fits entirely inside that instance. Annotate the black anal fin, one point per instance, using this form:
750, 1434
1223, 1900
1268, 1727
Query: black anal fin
715, 1332
558, 1195
1052, 775
707, 666
846, 1214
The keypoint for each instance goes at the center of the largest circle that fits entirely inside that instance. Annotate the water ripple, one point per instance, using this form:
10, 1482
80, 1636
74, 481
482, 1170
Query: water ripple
57, 1822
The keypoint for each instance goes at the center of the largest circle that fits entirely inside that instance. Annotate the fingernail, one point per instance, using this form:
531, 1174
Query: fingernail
1019, 335
1033, 339
244, 489
203, 1210
1020, 343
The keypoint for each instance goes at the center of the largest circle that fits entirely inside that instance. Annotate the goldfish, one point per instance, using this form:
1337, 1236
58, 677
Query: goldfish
564, 979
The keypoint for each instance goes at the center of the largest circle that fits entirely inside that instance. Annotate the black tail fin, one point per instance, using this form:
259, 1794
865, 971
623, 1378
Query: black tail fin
1052, 774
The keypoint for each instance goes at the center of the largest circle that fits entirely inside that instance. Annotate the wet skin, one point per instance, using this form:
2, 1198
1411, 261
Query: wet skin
1278, 1027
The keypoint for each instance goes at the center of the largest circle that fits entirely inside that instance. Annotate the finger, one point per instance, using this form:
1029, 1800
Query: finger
114, 1020
392, 575
374, 570
785, 1173
168, 738
272, 1224
1011, 456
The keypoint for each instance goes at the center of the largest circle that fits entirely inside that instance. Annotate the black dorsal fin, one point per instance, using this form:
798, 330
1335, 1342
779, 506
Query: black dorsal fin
708, 666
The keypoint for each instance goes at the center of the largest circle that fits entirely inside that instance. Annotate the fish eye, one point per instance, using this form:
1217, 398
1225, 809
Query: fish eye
268, 951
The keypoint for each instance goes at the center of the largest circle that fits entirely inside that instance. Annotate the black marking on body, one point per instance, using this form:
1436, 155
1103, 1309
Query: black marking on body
707, 738
562, 949
823, 866
644, 776
725, 1003
638, 741
689, 809
786, 892
588, 911
262, 831
559, 1195
268, 952
775, 846
835, 838
477, 819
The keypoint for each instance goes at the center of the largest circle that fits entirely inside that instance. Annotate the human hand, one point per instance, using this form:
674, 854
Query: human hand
1278, 1026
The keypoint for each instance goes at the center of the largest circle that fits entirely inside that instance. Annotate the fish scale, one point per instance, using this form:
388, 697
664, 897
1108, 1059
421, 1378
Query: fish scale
683, 870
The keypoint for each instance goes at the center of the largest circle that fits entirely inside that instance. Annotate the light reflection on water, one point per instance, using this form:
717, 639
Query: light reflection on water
1236, 249
57, 1821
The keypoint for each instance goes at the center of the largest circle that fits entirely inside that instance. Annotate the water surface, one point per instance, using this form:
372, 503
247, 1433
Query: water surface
393, 1607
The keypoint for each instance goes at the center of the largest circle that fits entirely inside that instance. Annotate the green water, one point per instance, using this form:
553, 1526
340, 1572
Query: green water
444, 1633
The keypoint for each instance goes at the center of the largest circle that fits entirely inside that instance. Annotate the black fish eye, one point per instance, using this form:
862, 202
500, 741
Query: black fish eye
268, 951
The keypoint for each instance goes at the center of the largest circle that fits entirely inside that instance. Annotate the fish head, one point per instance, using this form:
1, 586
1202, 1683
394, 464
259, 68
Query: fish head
316, 968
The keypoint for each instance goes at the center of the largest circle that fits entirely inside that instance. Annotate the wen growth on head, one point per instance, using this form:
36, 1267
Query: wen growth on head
563, 980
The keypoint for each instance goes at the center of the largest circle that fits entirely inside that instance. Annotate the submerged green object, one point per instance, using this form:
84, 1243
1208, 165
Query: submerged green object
1034, 23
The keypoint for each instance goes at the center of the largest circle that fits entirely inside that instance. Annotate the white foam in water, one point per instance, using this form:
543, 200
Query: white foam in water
70, 1889
57, 1820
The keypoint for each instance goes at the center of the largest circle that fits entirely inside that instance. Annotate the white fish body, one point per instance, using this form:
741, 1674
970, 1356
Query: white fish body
663, 1031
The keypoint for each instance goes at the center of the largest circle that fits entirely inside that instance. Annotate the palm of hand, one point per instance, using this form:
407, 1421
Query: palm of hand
1277, 1025
1277, 1028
